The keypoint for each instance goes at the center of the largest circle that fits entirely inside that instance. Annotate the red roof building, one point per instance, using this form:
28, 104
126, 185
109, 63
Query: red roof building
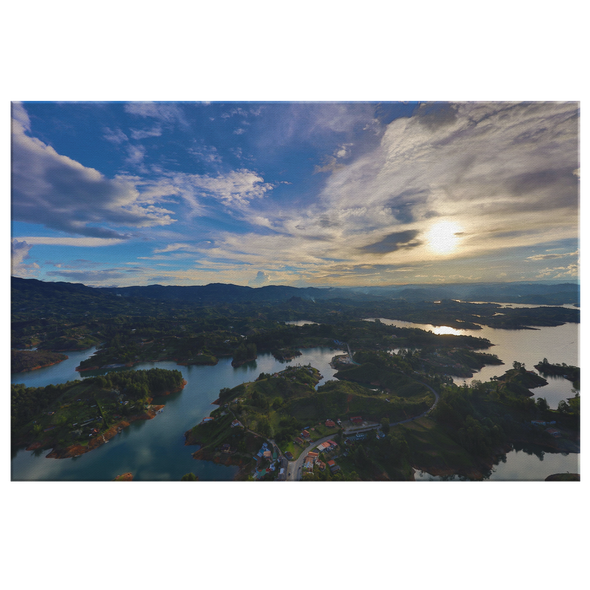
356, 420
330, 423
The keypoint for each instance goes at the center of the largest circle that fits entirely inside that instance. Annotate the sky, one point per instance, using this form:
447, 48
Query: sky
295, 193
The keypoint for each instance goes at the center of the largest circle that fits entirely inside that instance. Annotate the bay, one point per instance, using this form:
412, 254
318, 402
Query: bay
154, 450
559, 344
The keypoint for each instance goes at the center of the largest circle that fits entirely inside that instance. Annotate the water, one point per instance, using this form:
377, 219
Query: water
300, 323
530, 465
154, 450
559, 344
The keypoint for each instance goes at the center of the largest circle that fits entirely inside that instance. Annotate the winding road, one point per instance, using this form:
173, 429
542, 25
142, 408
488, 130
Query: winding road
295, 468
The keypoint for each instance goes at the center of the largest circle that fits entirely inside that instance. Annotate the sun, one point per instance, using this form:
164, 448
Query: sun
443, 237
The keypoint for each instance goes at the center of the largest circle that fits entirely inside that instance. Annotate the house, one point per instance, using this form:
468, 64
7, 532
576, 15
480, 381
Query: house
207, 419
308, 466
321, 465
305, 434
333, 467
225, 448
332, 444
299, 441
236, 423
313, 455
330, 424
289, 455
267, 455
356, 420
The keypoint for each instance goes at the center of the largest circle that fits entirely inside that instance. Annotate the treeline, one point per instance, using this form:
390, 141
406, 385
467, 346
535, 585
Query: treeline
570, 372
25, 402
456, 411
138, 385
27, 360
244, 353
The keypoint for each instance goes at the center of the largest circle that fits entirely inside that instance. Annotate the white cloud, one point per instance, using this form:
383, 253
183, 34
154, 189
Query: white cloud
262, 278
20, 253
64, 195
169, 113
136, 154
114, 136
79, 242
144, 133
511, 164
175, 247
236, 188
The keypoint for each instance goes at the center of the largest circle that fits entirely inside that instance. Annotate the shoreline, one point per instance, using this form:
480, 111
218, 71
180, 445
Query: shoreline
100, 439
40, 366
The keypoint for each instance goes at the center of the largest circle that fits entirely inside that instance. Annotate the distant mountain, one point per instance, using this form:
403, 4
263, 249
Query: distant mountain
214, 293
520, 292
221, 293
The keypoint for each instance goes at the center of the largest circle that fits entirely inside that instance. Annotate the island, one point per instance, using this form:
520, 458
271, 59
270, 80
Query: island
568, 372
274, 411
76, 417
31, 360
378, 423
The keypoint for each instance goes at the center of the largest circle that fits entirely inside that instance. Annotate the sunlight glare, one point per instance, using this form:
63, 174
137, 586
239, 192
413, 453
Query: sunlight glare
443, 237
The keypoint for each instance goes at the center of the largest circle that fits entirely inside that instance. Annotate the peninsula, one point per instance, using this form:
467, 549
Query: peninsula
76, 417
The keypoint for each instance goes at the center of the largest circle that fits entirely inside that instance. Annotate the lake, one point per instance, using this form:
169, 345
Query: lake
154, 450
559, 344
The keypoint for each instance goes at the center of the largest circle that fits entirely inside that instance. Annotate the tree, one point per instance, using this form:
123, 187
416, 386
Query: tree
189, 477
542, 404
385, 425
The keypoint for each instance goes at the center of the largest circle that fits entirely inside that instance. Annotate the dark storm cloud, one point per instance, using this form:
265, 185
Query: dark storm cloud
402, 206
402, 240
436, 115
561, 182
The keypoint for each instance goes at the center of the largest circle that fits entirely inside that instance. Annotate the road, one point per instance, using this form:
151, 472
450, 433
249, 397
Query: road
295, 468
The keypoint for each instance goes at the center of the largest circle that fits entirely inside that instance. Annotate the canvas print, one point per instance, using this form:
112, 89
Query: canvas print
295, 291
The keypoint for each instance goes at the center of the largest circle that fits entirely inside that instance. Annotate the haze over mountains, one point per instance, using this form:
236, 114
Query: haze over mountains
216, 293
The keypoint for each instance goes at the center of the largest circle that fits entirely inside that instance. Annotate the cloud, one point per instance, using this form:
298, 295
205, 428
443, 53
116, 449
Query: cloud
236, 188
560, 272
551, 256
114, 136
136, 154
175, 248
262, 278
66, 196
206, 153
79, 242
92, 276
471, 163
239, 131
169, 113
144, 133
20, 253
392, 242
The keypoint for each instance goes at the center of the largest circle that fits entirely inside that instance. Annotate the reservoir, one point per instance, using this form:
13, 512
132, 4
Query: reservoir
154, 450
559, 344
